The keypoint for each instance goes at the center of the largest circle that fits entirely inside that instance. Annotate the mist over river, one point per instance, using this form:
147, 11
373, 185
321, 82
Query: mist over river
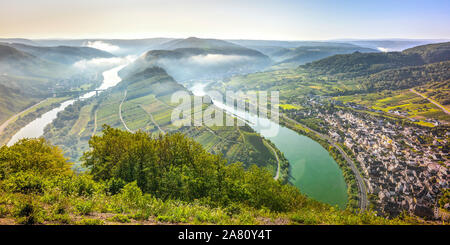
35, 128
313, 170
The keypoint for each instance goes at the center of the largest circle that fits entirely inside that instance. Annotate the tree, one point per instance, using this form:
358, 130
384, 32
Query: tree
35, 155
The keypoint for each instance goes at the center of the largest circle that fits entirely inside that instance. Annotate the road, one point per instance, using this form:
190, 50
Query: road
95, 124
277, 175
7, 122
432, 101
153, 120
120, 112
362, 192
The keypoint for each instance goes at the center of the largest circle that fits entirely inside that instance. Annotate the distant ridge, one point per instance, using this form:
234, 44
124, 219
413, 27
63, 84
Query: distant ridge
61, 54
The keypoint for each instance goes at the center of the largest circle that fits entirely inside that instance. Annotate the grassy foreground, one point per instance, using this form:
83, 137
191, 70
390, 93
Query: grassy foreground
136, 178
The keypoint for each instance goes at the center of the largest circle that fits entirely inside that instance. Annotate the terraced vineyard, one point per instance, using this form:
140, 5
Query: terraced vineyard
148, 107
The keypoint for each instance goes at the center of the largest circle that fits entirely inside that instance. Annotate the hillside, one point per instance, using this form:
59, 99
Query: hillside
143, 101
432, 53
16, 62
214, 45
24, 78
61, 54
360, 64
374, 75
195, 58
302, 55
137, 178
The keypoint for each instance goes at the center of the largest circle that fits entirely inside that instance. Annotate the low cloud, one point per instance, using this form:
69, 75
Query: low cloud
102, 46
385, 50
103, 62
216, 59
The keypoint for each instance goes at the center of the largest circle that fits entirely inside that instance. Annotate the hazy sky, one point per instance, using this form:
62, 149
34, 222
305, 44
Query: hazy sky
246, 19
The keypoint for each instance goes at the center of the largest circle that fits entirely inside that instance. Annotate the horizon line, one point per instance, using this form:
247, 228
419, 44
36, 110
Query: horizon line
246, 39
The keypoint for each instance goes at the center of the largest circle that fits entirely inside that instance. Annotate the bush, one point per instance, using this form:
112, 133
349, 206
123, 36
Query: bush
84, 185
25, 182
131, 195
84, 207
28, 212
121, 218
35, 155
61, 218
90, 222
114, 186
4, 211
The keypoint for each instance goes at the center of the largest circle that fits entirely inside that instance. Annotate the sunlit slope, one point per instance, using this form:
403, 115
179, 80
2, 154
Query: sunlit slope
143, 101
424, 68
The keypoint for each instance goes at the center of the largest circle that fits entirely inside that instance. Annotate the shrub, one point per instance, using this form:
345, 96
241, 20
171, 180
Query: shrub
131, 195
114, 186
90, 222
121, 218
4, 211
84, 207
26, 183
28, 212
61, 218
84, 185
35, 155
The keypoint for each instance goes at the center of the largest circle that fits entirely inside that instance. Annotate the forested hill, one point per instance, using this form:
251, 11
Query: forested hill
360, 64
17, 62
60, 54
407, 77
195, 58
213, 45
432, 53
138, 178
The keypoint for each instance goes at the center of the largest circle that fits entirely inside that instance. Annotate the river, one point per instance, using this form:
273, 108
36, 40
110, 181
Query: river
35, 128
313, 170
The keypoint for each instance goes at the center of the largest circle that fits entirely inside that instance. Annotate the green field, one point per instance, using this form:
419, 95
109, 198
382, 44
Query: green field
403, 101
148, 107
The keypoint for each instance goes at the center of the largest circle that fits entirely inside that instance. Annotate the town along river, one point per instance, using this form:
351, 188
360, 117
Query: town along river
313, 170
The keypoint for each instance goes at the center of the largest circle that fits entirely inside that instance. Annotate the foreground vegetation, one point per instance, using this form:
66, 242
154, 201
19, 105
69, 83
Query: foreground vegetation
140, 179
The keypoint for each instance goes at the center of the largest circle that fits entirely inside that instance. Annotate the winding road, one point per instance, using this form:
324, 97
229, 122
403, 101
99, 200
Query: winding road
277, 175
431, 101
153, 120
362, 191
120, 112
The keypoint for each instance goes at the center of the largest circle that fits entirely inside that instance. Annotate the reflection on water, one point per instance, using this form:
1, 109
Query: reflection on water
313, 170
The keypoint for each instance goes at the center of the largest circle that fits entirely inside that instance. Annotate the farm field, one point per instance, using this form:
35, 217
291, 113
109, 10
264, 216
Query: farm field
404, 103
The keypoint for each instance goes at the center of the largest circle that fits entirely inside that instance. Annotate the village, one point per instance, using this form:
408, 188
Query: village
404, 166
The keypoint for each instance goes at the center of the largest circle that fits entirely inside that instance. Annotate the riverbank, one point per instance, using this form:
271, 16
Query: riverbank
21, 119
355, 189
312, 168
35, 126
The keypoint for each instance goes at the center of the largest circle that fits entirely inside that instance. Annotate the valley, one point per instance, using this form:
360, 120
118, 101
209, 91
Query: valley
359, 129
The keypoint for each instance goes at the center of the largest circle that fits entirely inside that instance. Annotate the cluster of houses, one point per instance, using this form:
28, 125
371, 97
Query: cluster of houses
402, 170
405, 167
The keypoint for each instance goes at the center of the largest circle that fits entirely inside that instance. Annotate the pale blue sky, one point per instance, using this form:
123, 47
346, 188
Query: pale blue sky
246, 19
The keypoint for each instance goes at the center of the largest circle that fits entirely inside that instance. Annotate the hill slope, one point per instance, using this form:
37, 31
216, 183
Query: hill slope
137, 178
195, 58
61, 54
302, 55
143, 101
359, 64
